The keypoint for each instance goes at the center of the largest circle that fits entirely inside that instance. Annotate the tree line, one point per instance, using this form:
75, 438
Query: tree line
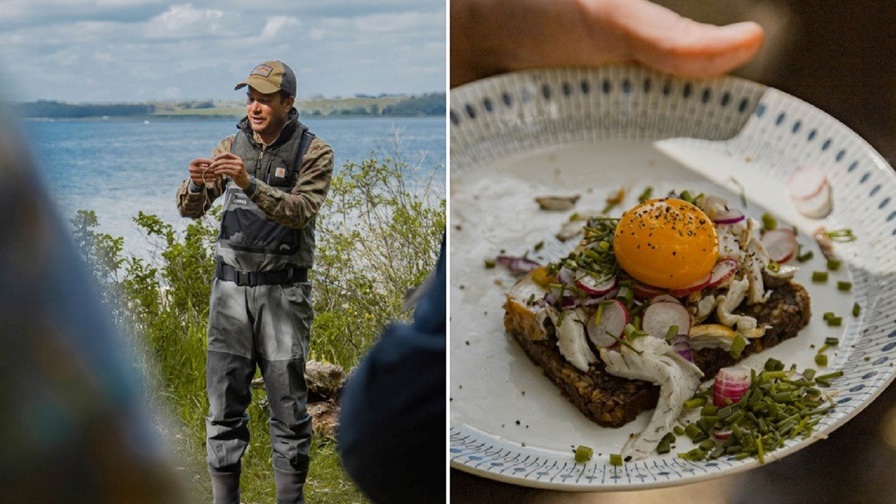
430, 104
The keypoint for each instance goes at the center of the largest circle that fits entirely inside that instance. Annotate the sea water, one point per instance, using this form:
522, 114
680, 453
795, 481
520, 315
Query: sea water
119, 167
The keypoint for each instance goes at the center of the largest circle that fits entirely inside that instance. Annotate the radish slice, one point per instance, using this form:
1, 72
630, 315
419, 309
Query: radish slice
810, 192
644, 291
595, 286
818, 206
696, 286
806, 182
721, 272
659, 317
721, 434
665, 297
781, 244
608, 323
730, 385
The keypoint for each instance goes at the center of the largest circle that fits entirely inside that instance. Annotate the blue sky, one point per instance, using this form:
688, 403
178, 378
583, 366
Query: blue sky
136, 50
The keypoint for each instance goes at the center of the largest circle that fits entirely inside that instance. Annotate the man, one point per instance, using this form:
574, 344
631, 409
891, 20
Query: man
274, 176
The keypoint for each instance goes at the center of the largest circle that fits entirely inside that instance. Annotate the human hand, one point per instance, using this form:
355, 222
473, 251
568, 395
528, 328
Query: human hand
200, 171
494, 36
227, 164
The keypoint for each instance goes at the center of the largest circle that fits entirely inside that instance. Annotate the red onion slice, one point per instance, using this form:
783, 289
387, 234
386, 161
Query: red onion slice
517, 265
682, 345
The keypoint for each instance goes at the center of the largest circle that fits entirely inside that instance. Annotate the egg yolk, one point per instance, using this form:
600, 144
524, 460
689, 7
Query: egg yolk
667, 243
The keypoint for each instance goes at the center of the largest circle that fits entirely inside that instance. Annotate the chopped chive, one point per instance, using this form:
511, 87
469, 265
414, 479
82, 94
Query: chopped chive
644, 196
737, 346
672, 332
769, 222
821, 360
834, 264
490, 263
803, 257
678, 430
856, 310
819, 276
615, 459
835, 321
538, 246
831, 341
583, 454
844, 286
665, 444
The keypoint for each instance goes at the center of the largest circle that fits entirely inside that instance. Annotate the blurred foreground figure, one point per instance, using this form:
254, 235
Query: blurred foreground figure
393, 429
73, 425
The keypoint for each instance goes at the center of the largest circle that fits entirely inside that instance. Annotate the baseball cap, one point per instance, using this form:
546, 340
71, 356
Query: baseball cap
271, 77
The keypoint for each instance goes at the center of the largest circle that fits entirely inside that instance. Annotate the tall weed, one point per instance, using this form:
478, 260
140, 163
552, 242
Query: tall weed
377, 236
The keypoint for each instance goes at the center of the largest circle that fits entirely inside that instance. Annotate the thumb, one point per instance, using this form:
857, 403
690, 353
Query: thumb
662, 39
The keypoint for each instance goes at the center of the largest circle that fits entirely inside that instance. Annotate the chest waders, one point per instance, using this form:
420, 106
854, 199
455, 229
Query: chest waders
260, 315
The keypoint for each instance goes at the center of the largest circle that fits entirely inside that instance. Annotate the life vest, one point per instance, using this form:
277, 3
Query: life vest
248, 240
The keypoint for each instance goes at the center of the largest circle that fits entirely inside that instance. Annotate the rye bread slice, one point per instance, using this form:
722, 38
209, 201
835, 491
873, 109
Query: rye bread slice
611, 401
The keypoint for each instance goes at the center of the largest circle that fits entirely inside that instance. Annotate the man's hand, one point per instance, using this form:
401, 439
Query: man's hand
230, 165
493, 36
200, 171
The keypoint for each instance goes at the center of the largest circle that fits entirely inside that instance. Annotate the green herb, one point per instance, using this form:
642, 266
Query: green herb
737, 346
490, 263
844, 286
856, 310
538, 246
835, 321
769, 222
615, 459
777, 407
665, 444
819, 276
583, 454
841, 235
831, 342
804, 256
644, 196
672, 332
834, 264
822, 360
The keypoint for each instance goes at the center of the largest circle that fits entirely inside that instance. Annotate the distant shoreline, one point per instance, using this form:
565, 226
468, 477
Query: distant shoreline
427, 105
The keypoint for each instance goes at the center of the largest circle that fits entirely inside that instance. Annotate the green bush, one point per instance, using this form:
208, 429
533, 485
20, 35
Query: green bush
378, 235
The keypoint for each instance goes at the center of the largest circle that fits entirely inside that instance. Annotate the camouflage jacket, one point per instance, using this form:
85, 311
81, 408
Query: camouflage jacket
294, 209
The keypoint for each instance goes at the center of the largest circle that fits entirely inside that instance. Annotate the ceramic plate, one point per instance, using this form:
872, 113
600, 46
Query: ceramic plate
589, 133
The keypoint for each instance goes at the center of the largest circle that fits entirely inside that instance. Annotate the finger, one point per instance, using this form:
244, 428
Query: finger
666, 41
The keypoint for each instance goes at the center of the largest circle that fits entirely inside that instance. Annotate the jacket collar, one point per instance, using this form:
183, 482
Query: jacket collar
292, 123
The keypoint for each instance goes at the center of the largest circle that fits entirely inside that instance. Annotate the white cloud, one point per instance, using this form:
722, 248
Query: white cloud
276, 24
185, 21
133, 50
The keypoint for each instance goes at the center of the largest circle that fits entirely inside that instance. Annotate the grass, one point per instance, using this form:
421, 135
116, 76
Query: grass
183, 393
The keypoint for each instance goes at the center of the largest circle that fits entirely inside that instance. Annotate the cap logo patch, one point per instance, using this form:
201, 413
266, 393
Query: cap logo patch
262, 70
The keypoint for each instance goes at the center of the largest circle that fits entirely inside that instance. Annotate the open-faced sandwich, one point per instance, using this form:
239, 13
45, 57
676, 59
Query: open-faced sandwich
650, 304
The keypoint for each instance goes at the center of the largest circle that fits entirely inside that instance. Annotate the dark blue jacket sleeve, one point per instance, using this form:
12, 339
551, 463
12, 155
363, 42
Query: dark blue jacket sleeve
393, 433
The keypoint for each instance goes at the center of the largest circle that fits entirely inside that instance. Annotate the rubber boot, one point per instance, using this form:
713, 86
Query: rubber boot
290, 486
226, 487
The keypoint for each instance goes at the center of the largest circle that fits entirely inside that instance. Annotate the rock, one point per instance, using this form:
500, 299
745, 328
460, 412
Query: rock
324, 381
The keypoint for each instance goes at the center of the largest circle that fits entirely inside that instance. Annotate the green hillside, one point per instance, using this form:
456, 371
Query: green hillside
431, 104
